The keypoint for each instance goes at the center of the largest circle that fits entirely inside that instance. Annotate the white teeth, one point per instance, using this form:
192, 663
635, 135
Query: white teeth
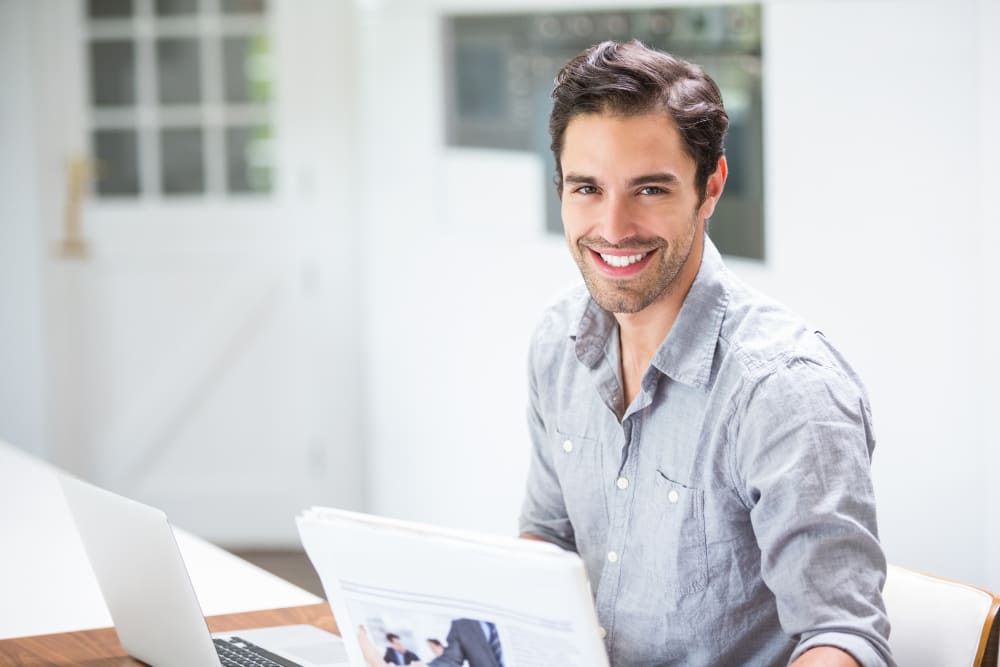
620, 261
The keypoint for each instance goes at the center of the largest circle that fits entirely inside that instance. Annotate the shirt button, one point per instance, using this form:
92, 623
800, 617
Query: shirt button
673, 496
567, 446
622, 483
612, 557
601, 631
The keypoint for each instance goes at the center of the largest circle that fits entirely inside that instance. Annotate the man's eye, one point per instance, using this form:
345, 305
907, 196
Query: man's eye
585, 190
652, 190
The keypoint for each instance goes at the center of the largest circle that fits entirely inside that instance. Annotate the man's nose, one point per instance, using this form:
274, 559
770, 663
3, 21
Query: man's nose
618, 221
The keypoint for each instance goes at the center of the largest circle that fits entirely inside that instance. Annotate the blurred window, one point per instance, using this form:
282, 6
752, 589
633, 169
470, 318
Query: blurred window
180, 97
500, 68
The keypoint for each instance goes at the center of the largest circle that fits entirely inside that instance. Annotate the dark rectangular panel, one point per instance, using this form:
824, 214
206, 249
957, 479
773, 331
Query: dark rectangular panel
112, 73
117, 153
178, 68
182, 161
499, 72
248, 159
176, 7
245, 68
109, 9
244, 6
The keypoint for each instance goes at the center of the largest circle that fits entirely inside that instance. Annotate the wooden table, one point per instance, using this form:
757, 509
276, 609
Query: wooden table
100, 648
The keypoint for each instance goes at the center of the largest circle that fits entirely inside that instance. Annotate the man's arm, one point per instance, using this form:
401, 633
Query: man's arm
543, 512
825, 656
803, 445
536, 538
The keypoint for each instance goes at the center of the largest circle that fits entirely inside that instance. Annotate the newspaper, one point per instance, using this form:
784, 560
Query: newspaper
408, 593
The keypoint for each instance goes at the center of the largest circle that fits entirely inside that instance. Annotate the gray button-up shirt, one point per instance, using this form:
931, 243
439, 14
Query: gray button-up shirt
728, 517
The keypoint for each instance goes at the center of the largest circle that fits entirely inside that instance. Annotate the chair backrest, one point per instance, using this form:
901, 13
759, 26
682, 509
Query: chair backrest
937, 622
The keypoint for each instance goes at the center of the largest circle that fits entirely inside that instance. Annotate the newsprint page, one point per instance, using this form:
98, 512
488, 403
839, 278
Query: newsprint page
408, 593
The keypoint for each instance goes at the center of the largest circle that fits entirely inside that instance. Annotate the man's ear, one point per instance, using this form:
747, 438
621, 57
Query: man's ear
713, 188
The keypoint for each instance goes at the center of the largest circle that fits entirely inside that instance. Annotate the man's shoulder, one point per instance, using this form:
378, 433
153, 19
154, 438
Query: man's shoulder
770, 361
561, 316
763, 336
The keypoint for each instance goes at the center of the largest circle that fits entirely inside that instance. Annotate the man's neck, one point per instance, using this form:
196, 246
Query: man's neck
642, 333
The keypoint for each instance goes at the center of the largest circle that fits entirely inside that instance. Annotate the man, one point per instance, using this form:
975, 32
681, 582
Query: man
705, 453
473, 641
396, 652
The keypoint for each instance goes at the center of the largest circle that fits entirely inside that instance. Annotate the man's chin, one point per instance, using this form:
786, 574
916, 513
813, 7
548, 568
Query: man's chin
618, 302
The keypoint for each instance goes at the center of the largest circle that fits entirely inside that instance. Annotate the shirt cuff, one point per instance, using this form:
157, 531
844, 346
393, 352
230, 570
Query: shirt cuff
548, 533
860, 648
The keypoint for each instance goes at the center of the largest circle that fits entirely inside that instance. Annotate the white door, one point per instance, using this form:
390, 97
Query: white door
200, 321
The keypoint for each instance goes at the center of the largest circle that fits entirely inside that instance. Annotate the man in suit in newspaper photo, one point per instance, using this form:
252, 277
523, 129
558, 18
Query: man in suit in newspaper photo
471, 642
704, 451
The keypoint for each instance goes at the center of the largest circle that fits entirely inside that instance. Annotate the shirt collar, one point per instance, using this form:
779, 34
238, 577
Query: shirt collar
594, 329
687, 352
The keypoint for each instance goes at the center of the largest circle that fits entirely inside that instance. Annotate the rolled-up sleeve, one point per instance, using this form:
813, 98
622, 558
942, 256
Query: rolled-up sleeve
802, 455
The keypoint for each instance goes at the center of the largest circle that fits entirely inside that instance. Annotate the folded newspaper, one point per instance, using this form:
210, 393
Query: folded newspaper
414, 594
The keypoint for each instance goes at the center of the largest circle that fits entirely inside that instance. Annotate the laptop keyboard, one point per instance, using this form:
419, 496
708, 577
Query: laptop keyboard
236, 652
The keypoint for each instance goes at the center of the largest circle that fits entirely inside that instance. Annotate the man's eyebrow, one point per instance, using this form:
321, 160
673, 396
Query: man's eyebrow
661, 177
580, 178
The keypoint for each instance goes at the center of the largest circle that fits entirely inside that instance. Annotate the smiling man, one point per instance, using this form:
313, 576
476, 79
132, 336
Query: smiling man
706, 453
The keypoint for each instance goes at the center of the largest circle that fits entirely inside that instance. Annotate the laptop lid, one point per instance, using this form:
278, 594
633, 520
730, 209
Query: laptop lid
142, 577
147, 589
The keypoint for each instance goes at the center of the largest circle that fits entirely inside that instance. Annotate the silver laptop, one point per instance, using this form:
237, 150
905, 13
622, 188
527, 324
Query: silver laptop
147, 589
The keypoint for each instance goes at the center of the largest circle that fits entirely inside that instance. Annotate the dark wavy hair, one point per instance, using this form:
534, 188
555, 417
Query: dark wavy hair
630, 79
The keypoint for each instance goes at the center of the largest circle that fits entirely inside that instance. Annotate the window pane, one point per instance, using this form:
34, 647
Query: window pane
246, 67
182, 165
117, 162
112, 73
109, 9
244, 6
176, 7
179, 73
481, 71
248, 159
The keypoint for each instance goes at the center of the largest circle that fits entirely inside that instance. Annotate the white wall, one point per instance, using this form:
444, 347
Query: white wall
989, 220
458, 276
875, 229
319, 110
21, 249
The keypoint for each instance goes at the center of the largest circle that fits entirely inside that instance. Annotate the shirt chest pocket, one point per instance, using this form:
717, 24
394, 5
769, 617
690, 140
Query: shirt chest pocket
671, 532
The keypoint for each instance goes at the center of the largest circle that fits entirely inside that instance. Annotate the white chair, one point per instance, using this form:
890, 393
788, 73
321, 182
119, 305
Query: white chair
940, 623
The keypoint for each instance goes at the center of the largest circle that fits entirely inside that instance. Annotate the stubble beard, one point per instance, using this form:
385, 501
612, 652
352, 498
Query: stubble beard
631, 295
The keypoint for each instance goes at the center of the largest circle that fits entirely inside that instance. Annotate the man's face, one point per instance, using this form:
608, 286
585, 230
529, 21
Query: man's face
630, 208
397, 644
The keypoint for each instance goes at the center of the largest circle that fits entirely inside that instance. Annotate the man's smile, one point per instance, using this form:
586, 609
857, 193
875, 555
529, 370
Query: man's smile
621, 263
621, 260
